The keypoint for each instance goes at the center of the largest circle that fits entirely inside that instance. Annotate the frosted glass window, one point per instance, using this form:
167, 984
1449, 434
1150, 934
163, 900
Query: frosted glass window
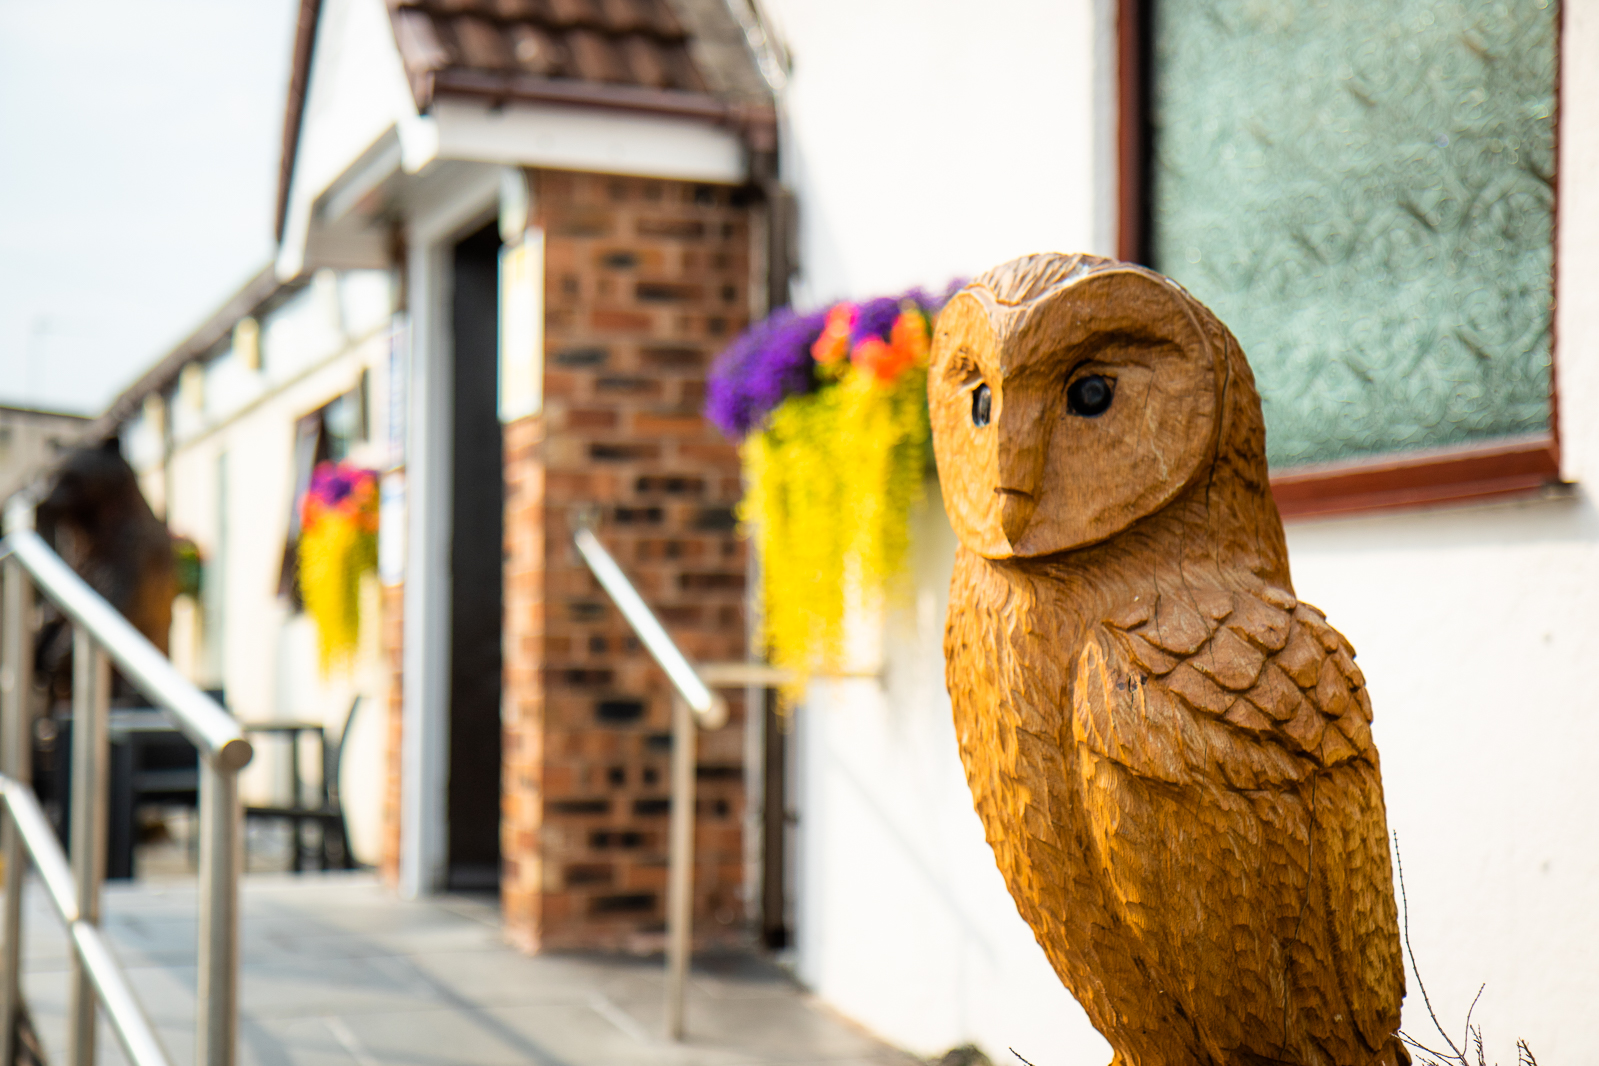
1363, 190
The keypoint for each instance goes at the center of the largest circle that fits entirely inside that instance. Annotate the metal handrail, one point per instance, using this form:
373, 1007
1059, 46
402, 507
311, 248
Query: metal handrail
211, 729
101, 636
127, 1017
708, 707
693, 703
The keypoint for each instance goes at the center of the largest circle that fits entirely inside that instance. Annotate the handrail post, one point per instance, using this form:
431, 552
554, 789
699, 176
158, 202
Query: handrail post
694, 704
221, 856
91, 693
680, 865
102, 637
16, 681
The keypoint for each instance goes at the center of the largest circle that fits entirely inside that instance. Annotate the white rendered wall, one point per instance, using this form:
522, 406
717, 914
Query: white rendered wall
901, 918
311, 353
928, 140
1476, 627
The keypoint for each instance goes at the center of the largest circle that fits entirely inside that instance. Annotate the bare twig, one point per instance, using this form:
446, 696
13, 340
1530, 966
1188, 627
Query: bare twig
1473, 1037
1438, 1057
1405, 910
1018, 1054
1469, 1013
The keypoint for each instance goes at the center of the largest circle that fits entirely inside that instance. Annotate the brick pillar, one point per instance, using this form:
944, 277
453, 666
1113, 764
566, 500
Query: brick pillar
393, 637
522, 701
645, 282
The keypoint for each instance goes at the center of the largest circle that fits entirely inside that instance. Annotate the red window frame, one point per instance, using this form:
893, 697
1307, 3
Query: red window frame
1511, 467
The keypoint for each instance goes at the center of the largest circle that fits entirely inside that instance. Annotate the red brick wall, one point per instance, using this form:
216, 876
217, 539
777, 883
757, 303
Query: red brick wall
393, 634
645, 282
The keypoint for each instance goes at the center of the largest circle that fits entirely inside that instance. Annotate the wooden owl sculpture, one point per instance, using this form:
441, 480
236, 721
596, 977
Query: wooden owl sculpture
1171, 755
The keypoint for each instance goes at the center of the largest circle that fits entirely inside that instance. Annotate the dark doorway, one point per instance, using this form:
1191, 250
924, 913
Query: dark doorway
476, 551
776, 823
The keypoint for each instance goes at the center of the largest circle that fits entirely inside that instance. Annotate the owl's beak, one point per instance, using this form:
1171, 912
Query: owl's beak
1023, 443
1015, 511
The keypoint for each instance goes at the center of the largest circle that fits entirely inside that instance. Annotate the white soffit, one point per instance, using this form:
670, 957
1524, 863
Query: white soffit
357, 91
574, 138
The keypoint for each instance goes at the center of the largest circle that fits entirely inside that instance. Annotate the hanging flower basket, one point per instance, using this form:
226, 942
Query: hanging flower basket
188, 567
338, 544
831, 410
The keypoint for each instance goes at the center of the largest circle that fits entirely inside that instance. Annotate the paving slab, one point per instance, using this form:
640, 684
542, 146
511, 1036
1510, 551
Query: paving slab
338, 971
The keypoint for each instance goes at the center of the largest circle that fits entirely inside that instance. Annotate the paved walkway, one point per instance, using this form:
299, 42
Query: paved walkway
338, 971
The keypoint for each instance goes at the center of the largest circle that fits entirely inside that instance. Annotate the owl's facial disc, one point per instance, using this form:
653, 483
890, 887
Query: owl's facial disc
1060, 422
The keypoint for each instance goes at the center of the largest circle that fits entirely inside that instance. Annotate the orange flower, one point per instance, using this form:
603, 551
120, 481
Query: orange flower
910, 333
882, 360
833, 344
907, 345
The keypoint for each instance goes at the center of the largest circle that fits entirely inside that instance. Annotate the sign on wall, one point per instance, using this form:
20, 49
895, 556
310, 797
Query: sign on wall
522, 327
399, 349
391, 528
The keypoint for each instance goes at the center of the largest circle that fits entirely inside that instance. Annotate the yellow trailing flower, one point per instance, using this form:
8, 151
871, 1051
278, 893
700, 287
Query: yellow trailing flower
832, 478
832, 410
338, 544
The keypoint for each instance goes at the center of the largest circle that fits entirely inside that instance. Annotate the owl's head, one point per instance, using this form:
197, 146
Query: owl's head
1073, 396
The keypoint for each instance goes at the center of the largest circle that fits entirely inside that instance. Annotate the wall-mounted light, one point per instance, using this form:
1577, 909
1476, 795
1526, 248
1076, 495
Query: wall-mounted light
247, 343
191, 387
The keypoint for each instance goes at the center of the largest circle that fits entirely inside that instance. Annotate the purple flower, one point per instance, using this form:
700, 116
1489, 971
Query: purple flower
332, 483
770, 362
876, 319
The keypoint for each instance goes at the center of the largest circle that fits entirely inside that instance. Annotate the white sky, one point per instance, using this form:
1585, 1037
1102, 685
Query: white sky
138, 168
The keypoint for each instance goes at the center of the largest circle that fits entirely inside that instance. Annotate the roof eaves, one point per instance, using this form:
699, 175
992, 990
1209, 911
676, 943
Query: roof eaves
243, 303
720, 81
42, 412
504, 87
294, 107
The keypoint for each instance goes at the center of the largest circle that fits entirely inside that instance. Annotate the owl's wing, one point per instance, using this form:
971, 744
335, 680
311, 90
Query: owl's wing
1240, 718
1263, 690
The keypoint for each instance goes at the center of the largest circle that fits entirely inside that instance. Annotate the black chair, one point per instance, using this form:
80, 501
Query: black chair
333, 849
151, 764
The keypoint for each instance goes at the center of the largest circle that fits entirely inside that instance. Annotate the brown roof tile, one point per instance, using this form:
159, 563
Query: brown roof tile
594, 58
568, 14
669, 57
644, 63
482, 44
536, 51
418, 38
461, 45
683, 70
628, 16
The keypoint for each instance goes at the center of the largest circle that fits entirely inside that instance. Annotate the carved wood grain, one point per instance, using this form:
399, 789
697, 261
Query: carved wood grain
1171, 755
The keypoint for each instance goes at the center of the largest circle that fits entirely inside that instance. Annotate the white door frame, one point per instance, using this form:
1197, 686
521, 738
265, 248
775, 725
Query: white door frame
450, 210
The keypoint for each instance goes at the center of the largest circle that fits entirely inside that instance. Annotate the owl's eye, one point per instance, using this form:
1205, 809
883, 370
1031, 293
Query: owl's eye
982, 405
1090, 396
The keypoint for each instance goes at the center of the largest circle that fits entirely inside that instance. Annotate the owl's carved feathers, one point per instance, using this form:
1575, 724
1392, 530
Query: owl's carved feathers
1171, 755
1186, 804
1271, 691
1021, 280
